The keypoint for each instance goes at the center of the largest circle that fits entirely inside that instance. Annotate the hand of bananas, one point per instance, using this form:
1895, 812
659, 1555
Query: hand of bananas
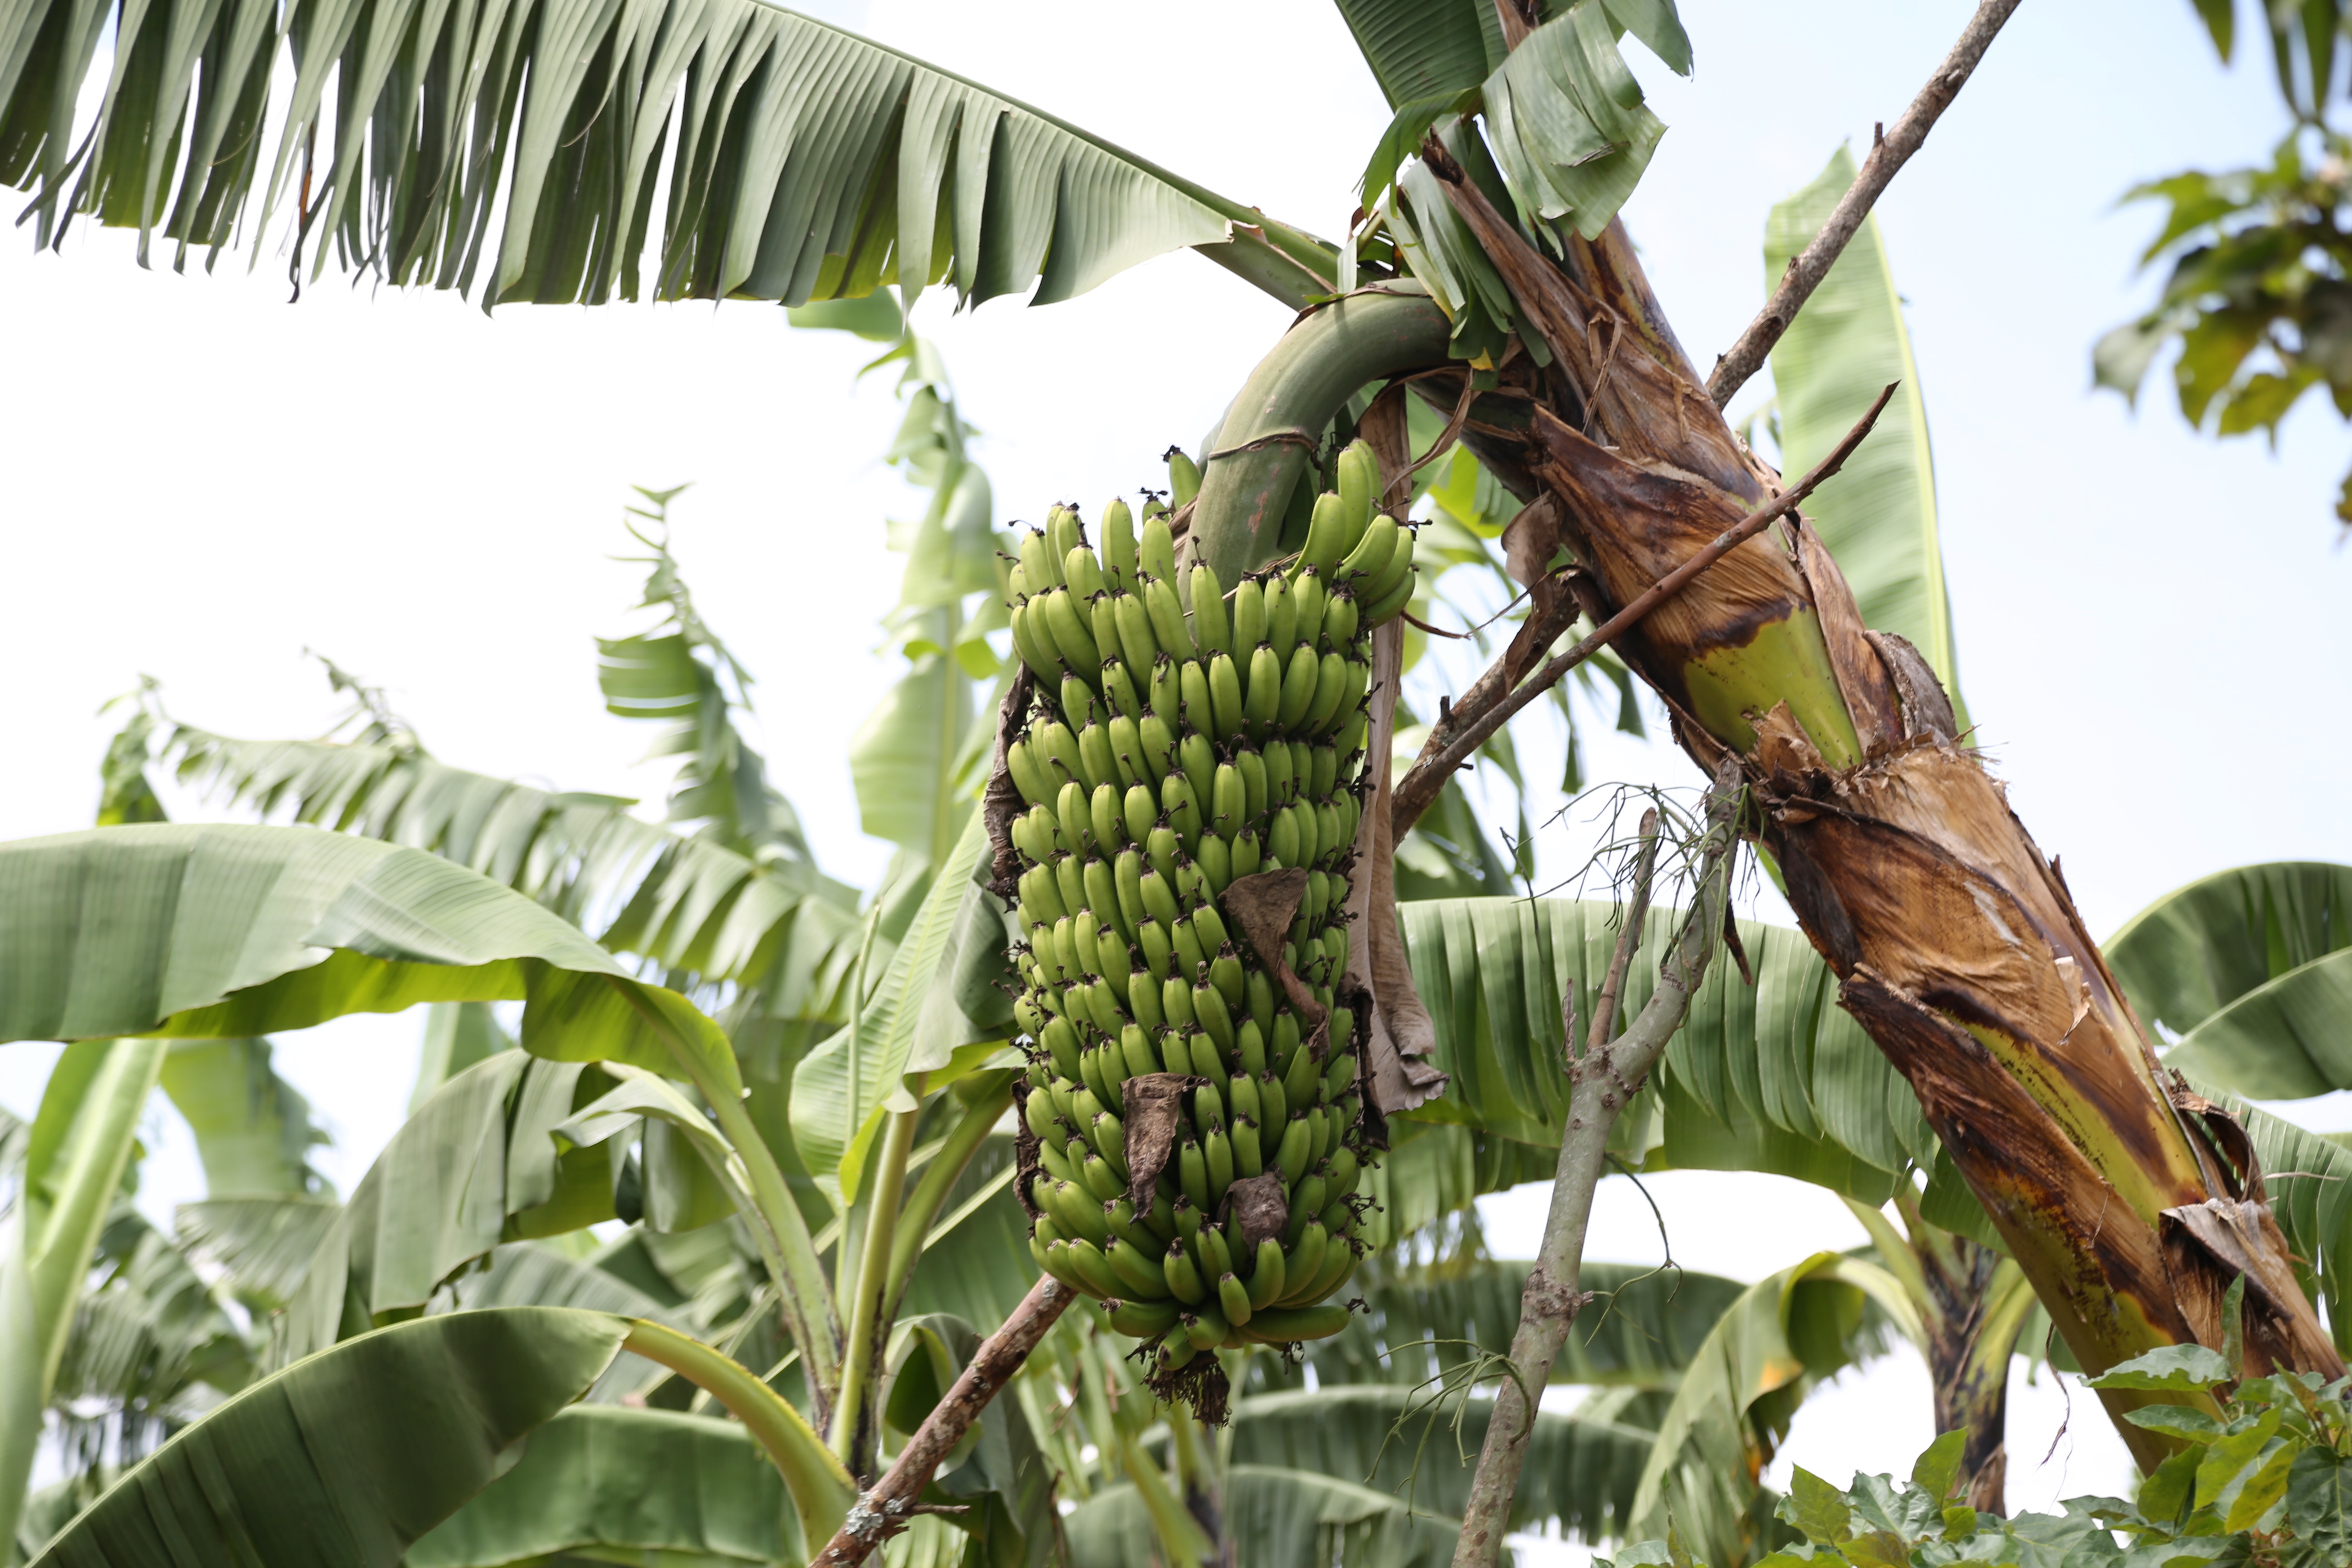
1185, 737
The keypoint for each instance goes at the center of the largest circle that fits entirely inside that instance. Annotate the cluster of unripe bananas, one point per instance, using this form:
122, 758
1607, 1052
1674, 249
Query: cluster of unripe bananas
1183, 738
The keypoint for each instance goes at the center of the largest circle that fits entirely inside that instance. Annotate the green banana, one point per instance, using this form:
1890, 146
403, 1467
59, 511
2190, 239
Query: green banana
1184, 476
1327, 535
1233, 1300
1211, 628
1225, 698
1020, 762
1182, 1275
1141, 1320
1063, 531
1266, 1276
1367, 559
1136, 639
1359, 491
1215, 861
1287, 1325
1118, 545
1158, 753
1281, 617
1165, 611
1083, 572
1094, 752
1120, 696
1153, 938
1249, 616
1039, 565
1074, 643
1296, 690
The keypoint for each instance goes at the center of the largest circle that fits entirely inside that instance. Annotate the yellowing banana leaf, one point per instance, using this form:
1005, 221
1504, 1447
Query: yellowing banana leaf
253, 1131
214, 932
802, 163
601, 1481
284, 1473
1877, 514
2252, 968
926, 1016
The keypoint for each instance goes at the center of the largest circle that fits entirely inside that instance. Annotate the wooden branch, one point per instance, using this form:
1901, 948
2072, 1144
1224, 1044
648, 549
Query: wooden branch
1889, 152
1433, 767
1602, 1081
881, 1511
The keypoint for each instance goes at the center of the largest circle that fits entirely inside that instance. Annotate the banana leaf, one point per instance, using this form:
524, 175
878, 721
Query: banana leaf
930, 1015
283, 1474
1733, 1404
1291, 1519
2252, 968
1640, 1330
456, 1035
692, 904
75, 1155
1421, 1448
603, 1482
475, 1167
253, 1131
262, 1246
1877, 514
1771, 1078
215, 931
1429, 48
803, 163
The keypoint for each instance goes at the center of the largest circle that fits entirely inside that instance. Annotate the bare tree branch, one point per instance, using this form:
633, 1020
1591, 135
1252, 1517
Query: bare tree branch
1889, 152
1602, 1081
882, 1511
1451, 744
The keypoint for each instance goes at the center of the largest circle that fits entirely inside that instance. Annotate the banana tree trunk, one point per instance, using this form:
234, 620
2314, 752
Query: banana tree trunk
1975, 1303
2129, 1203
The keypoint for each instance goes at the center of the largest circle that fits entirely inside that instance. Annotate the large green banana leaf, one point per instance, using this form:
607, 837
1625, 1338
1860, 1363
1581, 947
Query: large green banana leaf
1877, 514
691, 903
1770, 1077
803, 163
1733, 1404
253, 1131
262, 1246
2253, 969
1290, 1518
1642, 1329
682, 675
286, 1473
456, 1035
932, 1014
1440, 48
74, 1157
474, 1166
1421, 1445
611, 1484
149, 1331
213, 932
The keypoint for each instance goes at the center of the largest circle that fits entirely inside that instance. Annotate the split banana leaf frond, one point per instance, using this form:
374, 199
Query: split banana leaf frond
525, 145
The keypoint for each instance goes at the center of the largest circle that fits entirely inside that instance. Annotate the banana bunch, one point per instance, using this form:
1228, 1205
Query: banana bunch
1185, 737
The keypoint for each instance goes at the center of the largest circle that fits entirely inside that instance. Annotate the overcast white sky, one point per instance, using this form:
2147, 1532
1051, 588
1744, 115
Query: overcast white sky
200, 481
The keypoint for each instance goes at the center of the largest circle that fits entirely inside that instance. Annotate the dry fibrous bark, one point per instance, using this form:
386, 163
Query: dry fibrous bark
2130, 1203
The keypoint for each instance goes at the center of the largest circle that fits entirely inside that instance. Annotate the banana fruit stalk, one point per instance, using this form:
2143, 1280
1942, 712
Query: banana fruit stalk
1195, 1101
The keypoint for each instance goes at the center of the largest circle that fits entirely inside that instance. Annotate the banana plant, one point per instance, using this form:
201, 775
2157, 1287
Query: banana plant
1488, 275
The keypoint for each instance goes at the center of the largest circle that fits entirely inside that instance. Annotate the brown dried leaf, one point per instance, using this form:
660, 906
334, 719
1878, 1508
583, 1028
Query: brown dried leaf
1260, 1203
1399, 1036
1152, 1107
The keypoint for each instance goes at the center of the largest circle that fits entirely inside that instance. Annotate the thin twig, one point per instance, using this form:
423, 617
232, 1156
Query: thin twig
1889, 152
1602, 1083
1629, 941
1429, 771
881, 1510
